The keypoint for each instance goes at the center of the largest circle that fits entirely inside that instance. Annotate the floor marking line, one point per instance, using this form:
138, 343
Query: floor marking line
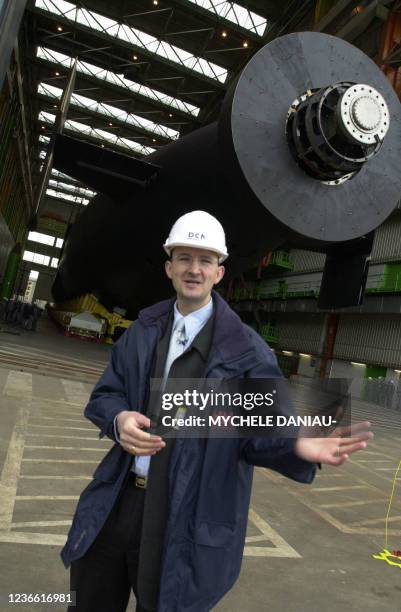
54, 401
11, 468
64, 427
373, 460
385, 469
39, 435
21, 537
352, 503
74, 389
256, 538
57, 418
281, 548
41, 524
342, 527
59, 461
375, 472
79, 448
18, 384
393, 519
46, 497
344, 488
55, 414
51, 477
390, 502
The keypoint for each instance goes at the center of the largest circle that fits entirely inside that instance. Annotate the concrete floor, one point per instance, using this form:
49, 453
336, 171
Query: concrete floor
309, 548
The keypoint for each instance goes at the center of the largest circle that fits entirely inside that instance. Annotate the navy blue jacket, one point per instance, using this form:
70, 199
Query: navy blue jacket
210, 481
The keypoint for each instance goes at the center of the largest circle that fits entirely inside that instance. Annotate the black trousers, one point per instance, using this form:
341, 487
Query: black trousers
104, 576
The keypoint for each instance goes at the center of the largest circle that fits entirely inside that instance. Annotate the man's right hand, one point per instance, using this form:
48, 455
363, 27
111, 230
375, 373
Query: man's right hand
132, 437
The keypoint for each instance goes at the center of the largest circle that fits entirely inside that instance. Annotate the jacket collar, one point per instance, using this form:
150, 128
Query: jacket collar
157, 314
230, 339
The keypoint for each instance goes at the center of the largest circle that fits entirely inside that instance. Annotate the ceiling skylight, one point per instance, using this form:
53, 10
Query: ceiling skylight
81, 191
114, 29
61, 175
59, 195
235, 13
111, 112
119, 80
87, 130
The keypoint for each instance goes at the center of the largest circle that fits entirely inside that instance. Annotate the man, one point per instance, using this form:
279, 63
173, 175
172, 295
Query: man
168, 517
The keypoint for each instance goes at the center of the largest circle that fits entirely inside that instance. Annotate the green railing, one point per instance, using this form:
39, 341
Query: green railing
244, 293
282, 259
268, 333
295, 290
388, 282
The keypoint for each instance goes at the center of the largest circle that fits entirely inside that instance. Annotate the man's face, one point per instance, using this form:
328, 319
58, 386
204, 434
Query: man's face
194, 272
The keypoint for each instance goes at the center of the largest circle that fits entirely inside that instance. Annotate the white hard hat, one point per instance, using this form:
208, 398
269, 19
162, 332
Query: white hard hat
200, 230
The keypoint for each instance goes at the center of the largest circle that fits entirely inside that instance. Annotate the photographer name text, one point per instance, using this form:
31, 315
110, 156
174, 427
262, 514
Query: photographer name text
249, 420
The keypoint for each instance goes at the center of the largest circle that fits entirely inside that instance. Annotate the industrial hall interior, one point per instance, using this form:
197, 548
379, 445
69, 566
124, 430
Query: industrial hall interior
282, 119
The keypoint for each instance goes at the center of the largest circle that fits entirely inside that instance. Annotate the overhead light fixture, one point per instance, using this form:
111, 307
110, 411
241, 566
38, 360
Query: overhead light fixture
358, 364
224, 34
153, 139
170, 115
43, 127
54, 105
398, 371
59, 29
288, 353
305, 355
57, 73
135, 57
245, 44
155, 2
102, 146
110, 123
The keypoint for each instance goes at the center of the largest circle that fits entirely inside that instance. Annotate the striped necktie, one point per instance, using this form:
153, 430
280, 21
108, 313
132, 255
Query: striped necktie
177, 346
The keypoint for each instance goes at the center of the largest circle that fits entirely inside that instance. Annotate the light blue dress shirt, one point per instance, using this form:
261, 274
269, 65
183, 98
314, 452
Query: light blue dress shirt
194, 321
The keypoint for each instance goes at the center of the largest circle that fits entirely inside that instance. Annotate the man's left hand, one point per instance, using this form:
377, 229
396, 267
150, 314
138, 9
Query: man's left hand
335, 449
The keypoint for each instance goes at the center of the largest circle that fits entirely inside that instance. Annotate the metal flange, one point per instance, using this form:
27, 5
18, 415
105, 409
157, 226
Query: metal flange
364, 114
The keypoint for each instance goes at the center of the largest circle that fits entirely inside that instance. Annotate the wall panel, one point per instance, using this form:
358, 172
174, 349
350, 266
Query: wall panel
387, 243
300, 333
307, 261
369, 339
6, 244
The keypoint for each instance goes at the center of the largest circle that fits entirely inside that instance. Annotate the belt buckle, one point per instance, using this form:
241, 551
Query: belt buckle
140, 482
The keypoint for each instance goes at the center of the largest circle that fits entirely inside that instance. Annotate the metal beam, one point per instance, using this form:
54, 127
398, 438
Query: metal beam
113, 147
332, 14
11, 12
360, 22
23, 147
58, 128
